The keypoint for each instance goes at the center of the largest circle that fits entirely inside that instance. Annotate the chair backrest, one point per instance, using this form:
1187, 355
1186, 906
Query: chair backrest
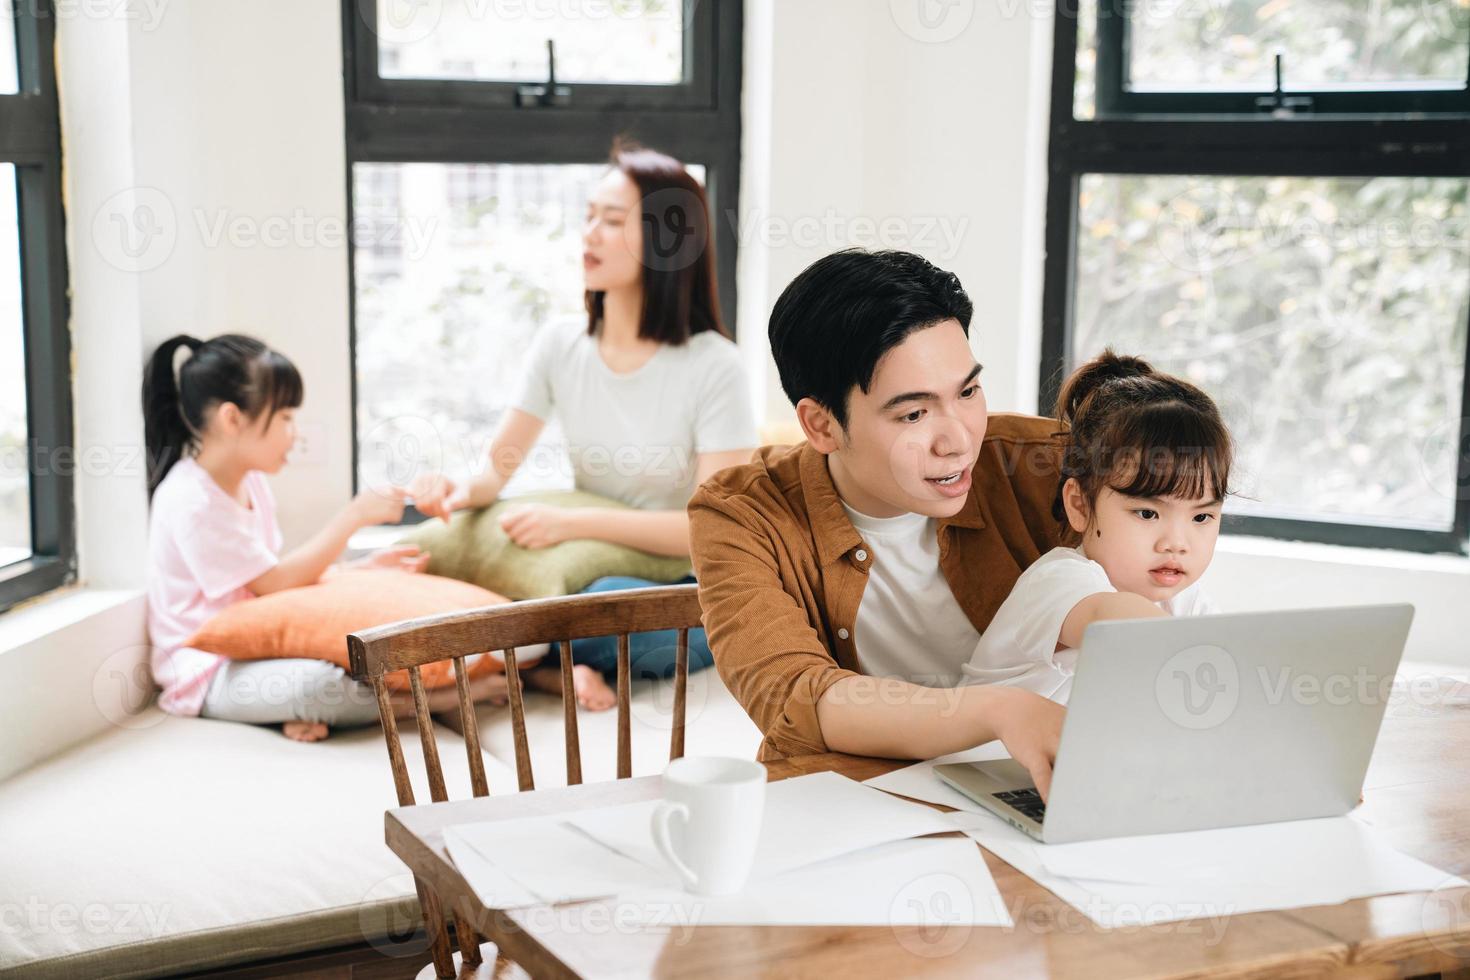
409, 645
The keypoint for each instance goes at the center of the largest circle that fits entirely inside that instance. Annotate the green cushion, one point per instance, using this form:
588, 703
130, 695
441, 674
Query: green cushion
473, 548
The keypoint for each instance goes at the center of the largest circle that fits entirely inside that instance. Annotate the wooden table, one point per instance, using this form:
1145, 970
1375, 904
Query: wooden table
1417, 793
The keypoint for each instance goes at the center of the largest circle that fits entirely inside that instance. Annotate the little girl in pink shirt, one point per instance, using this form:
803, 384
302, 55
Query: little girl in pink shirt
214, 428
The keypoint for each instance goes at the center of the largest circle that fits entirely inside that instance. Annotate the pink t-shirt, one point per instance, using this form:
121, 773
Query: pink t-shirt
203, 547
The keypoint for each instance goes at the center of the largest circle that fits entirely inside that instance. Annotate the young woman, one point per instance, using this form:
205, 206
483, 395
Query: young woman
648, 388
214, 429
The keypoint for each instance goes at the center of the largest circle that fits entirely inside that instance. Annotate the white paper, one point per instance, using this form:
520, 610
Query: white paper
918, 781
495, 888
1349, 862
552, 860
806, 819
931, 882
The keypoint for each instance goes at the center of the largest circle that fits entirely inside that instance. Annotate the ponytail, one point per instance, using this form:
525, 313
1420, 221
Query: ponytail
165, 434
1093, 375
231, 368
1141, 432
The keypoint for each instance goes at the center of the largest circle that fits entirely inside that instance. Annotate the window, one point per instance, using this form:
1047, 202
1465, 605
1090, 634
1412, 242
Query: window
468, 190
1324, 56
36, 512
1300, 250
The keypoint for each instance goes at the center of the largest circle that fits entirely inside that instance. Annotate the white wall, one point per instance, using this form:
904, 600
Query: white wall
876, 130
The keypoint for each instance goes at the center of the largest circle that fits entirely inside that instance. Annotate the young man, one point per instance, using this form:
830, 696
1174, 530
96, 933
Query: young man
846, 580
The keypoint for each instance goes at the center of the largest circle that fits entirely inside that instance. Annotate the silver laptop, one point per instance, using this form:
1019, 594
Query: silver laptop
1208, 721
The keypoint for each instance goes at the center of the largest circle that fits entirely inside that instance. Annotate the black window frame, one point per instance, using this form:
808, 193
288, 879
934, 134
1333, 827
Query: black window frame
1205, 134
1116, 97
30, 138
470, 121
696, 90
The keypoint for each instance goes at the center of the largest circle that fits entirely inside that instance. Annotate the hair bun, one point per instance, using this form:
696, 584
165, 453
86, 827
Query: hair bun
1103, 369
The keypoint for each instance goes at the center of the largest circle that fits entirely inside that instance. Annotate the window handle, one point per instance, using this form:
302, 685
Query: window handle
1278, 103
549, 94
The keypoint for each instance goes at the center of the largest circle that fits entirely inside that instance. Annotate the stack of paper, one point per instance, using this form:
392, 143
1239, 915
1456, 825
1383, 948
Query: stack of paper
831, 851
1131, 881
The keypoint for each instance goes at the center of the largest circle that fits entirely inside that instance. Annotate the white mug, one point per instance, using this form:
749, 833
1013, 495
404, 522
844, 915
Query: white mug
718, 804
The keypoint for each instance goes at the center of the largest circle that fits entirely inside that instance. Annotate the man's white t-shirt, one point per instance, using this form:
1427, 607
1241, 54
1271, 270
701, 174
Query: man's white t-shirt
1019, 645
909, 624
635, 436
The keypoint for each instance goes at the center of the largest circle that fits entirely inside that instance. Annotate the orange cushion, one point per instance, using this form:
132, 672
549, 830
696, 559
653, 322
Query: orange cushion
314, 620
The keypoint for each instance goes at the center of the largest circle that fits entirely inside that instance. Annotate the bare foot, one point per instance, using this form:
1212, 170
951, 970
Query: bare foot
494, 688
304, 731
592, 691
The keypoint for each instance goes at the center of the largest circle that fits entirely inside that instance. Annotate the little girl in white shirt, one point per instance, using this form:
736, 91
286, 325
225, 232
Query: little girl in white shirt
1145, 470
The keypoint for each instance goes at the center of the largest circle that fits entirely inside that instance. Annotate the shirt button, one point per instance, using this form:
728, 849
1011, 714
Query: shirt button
843, 634
860, 555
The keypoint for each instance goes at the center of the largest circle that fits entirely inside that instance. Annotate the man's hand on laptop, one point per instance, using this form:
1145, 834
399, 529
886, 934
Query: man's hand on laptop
1030, 726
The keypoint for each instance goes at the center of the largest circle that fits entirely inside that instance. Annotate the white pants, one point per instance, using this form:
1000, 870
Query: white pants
270, 692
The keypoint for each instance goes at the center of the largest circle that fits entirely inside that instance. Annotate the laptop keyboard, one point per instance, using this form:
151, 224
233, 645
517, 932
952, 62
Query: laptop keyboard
1027, 801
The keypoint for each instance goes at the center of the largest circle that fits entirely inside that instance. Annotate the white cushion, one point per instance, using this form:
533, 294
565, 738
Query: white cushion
179, 830
187, 843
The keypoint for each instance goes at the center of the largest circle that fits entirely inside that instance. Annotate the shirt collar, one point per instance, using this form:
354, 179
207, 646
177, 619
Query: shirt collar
832, 530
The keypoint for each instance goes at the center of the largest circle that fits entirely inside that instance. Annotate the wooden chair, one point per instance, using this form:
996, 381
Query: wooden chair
413, 643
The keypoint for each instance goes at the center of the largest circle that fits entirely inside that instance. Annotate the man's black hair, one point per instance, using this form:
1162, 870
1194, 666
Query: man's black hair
836, 320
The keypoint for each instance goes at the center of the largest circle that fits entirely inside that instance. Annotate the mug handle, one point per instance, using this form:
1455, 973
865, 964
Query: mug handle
665, 812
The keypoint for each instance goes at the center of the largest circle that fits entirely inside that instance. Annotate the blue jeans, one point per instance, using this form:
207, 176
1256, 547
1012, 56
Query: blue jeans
650, 655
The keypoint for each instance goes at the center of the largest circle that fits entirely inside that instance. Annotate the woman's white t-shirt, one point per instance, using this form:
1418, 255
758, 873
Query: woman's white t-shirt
1019, 647
636, 436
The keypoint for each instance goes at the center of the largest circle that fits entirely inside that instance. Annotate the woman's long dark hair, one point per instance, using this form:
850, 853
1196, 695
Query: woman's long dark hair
680, 296
232, 368
1141, 432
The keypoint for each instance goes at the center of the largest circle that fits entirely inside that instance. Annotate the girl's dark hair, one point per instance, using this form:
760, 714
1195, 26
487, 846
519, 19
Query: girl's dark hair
680, 296
231, 368
1141, 432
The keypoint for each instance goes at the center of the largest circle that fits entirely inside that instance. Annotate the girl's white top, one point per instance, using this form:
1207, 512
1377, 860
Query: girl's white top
1020, 645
